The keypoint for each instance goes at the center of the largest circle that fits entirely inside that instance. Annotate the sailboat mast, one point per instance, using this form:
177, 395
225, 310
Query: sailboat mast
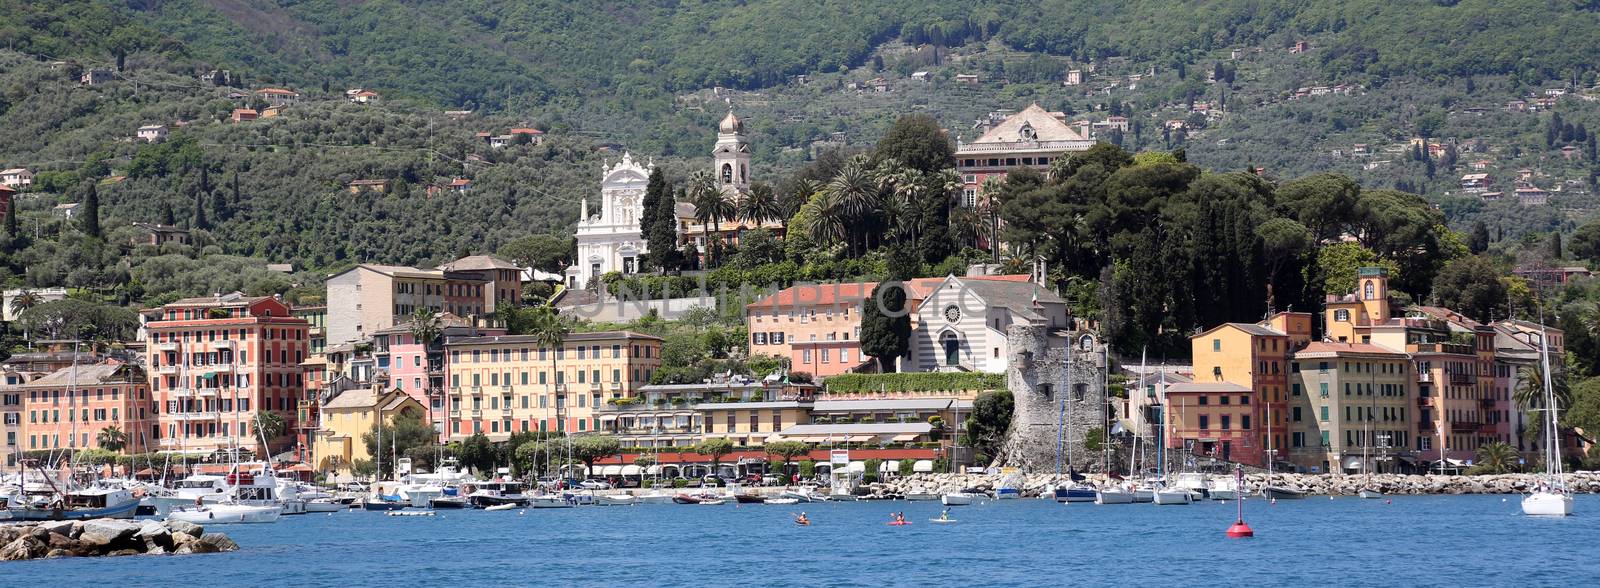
1552, 452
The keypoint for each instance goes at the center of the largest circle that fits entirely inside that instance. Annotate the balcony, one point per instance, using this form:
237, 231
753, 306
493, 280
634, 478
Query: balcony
224, 344
167, 370
170, 346
206, 392
595, 387
1464, 426
213, 368
477, 414
1422, 401
1486, 402
646, 406
561, 388
195, 416
1488, 429
1461, 379
455, 414
646, 431
1425, 377
475, 390
506, 410
616, 386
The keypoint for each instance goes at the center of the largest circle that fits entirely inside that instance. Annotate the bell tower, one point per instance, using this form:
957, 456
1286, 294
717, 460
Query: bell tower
731, 157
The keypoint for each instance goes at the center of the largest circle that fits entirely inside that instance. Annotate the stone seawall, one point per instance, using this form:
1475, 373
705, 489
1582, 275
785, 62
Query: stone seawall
1318, 484
107, 537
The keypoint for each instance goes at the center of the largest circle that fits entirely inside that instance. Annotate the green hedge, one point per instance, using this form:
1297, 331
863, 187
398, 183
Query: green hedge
915, 382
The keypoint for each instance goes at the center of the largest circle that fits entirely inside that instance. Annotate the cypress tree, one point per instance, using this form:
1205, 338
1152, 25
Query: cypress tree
166, 214
662, 232
653, 193
885, 338
90, 213
199, 221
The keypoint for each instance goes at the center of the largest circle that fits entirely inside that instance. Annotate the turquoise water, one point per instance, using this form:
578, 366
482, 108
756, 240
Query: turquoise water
1416, 541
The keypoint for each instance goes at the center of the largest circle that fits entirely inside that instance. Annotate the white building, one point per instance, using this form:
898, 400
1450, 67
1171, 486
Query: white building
42, 294
611, 241
16, 177
961, 325
152, 133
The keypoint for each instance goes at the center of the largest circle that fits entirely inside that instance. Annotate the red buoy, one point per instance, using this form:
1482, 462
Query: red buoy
1240, 530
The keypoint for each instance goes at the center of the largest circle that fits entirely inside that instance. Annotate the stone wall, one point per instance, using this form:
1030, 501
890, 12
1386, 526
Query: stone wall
1052, 398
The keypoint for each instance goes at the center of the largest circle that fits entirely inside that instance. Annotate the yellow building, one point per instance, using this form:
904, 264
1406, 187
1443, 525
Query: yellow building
508, 384
1350, 402
751, 423
344, 419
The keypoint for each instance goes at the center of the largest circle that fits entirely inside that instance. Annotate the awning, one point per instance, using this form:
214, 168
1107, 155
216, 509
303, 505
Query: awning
856, 466
922, 466
653, 470
611, 470
299, 467
890, 465
906, 437
632, 470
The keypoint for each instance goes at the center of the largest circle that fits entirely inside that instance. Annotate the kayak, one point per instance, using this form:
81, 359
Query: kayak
899, 523
803, 523
942, 521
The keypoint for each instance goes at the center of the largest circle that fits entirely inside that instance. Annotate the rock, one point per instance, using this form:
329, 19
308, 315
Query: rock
121, 552
63, 542
153, 549
197, 546
58, 527
219, 542
24, 547
102, 532
182, 538
9, 533
185, 527
55, 553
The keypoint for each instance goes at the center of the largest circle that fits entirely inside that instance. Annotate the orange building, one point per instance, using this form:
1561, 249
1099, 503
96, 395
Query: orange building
1254, 357
217, 362
69, 408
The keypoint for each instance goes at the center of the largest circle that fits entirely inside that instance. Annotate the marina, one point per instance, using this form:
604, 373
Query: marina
666, 544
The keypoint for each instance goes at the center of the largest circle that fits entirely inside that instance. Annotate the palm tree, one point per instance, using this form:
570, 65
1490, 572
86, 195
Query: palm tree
550, 330
856, 191
1496, 458
426, 326
711, 206
965, 225
826, 223
25, 300
1530, 390
111, 439
760, 205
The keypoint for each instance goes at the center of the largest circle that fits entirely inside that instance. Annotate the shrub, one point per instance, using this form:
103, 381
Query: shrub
915, 382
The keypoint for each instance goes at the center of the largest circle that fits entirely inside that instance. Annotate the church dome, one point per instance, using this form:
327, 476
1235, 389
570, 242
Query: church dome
731, 124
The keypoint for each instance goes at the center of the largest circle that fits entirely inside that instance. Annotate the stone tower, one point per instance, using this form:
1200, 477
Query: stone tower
1057, 379
731, 157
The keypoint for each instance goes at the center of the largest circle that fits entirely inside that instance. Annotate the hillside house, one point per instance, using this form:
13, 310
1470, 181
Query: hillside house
1531, 195
65, 210
159, 234
1074, 78
460, 185
1481, 164
921, 76
1476, 183
535, 136
152, 133
95, 77
16, 177
7, 193
279, 96
363, 97
244, 115
379, 186
968, 79
1299, 47
217, 77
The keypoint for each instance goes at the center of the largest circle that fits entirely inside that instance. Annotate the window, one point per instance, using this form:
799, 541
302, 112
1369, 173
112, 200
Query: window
1244, 422
1325, 439
1324, 414
1322, 388
1205, 422
1296, 414
1226, 421
1341, 315
1295, 388
1216, 345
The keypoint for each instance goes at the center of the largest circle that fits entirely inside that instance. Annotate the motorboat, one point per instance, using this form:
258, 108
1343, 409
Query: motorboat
656, 497
1370, 493
685, 499
227, 514
1223, 488
714, 501
1007, 493
207, 488
503, 506
958, 498
920, 495
450, 502
749, 498
585, 498
1195, 483
384, 503
1075, 493
75, 505
1282, 493
803, 495
493, 492
781, 500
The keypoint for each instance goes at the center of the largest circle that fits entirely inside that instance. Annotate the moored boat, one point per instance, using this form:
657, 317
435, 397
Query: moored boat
449, 502
1282, 493
749, 498
957, 498
227, 514
1172, 496
76, 505
1075, 493
324, 505
616, 500
384, 503
1113, 495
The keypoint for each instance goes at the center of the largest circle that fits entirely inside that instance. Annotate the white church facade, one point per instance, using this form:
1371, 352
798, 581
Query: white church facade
612, 241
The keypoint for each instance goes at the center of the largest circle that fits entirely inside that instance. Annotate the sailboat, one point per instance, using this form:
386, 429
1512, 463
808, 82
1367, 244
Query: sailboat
1164, 492
1073, 490
1552, 497
1269, 490
1368, 491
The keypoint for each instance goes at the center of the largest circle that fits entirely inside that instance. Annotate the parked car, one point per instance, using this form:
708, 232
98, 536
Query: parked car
595, 485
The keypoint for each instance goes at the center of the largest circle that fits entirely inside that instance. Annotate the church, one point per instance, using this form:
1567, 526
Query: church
611, 240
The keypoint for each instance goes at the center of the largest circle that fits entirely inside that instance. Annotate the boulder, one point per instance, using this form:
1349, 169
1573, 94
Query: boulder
24, 547
102, 532
153, 549
55, 553
219, 542
197, 546
154, 533
63, 542
8, 533
185, 527
121, 552
182, 538
58, 527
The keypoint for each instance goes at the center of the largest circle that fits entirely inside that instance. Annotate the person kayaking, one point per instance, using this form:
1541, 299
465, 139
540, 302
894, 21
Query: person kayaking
802, 520
944, 515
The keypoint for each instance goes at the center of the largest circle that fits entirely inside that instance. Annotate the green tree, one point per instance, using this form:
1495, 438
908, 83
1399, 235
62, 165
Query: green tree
1478, 242
986, 426
1472, 286
111, 439
1495, 458
760, 205
590, 448
1335, 269
397, 435
24, 300
425, 326
268, 425
89, 212
918, 142
788, 450
711, 207
550, 253
885, 325
716, 449
1282, 241
478, 453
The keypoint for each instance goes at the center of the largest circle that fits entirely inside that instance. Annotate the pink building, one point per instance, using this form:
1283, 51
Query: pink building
416, 369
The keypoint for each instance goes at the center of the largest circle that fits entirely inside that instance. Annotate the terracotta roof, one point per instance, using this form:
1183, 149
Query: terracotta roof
460, 182
1045, 128
526, 131
1336, 348
352, 398
14, 170
1205, 387
81, 375
570, 338
278, 91
230, 299
1250, 328
920, 288
478, 262
837, 294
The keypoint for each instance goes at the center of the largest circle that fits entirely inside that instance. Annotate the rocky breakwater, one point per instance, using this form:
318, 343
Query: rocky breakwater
107, 537
1317, 484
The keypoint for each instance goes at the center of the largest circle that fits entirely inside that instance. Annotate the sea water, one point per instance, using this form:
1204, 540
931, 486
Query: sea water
1404, 541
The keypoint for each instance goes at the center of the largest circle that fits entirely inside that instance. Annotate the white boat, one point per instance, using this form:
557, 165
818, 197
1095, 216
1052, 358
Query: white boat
1370, 494
410, 513
548, 501
616, 500
207, 488
493, 492
1552, 497
1223, 488
803, 495
227, 513
325, 505
714, 501
1195, 483
920, 495
1143, 495
1172, 496
501, 506
781, 500
656, 497
1113, 495
958, 498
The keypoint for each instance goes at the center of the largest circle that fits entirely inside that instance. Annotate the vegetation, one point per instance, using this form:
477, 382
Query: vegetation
403, 433
915, 382
986, 426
